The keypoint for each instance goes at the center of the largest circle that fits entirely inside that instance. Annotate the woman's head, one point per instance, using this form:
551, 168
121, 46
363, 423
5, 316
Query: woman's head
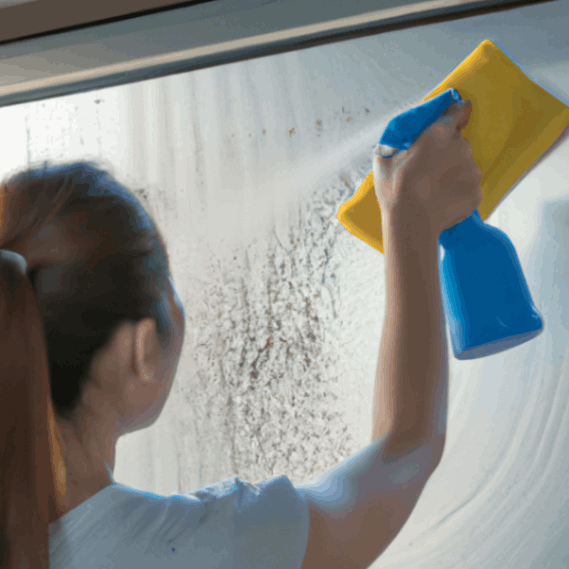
90, 315
97, 263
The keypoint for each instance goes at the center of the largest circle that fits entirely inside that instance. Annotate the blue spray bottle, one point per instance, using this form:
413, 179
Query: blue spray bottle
487, 301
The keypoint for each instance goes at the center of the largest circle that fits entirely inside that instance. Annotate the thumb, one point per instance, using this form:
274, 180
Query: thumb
455, 118
460, 114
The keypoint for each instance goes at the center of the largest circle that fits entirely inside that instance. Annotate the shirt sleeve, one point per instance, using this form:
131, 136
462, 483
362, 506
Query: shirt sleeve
270, 524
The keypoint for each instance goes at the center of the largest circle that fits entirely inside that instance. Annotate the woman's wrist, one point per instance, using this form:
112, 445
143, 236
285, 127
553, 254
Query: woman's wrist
411, 225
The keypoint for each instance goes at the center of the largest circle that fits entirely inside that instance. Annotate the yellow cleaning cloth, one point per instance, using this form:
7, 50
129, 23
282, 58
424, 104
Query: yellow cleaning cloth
513, 123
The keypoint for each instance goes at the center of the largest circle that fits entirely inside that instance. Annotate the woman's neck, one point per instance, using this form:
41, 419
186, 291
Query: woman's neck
81, 468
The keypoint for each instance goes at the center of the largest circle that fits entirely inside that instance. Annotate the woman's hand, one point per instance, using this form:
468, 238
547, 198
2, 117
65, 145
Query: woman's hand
437, 179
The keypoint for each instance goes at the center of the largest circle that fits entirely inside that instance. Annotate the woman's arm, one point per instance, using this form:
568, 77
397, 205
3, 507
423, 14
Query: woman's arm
358, 507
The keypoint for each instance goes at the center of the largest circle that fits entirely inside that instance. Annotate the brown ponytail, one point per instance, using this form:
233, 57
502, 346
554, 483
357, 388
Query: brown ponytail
27, 478
94, 259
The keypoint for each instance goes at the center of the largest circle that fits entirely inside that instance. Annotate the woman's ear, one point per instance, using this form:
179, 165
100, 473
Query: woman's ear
147, 350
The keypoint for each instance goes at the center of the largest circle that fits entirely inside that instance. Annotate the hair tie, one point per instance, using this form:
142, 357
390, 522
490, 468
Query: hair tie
6, 255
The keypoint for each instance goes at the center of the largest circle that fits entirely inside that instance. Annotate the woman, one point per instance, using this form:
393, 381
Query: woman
92, 330
92, 334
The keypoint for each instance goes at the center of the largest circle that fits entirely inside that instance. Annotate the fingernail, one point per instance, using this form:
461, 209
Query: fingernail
385, 151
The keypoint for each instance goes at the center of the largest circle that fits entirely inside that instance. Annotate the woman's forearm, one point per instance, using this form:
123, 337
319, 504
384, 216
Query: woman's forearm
411, 390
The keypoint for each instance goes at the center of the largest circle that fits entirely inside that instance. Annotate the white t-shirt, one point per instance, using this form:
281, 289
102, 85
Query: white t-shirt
231, 524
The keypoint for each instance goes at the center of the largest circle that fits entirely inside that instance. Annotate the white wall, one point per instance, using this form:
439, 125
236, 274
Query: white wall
244, 167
